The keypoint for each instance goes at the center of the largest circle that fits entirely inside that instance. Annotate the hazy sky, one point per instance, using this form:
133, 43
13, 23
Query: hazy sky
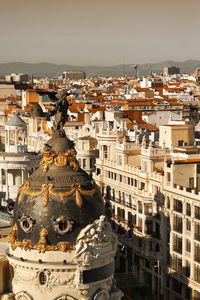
104, 32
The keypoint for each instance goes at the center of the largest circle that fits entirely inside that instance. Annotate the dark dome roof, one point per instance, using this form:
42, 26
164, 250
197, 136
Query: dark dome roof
58, 196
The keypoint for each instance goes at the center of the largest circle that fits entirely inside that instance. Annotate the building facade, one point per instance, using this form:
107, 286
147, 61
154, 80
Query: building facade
152, 197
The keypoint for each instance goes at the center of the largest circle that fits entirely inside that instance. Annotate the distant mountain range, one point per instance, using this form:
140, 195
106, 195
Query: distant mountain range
48, 69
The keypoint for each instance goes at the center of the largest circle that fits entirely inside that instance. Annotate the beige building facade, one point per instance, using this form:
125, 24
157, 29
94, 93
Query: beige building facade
152, 196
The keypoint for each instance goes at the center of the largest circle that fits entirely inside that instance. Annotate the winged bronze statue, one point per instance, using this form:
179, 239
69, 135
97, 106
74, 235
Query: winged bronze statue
60, 107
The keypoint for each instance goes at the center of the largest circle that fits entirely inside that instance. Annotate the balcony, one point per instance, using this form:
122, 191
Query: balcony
185, 190
122, 202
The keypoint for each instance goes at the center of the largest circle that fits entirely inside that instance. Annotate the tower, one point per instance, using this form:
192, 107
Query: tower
15, 135
61, 246
16, 163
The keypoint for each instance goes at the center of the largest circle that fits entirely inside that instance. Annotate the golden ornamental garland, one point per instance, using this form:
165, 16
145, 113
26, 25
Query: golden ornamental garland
47, 191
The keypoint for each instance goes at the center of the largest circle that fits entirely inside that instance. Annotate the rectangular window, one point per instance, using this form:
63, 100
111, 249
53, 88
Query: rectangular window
180, 142
191, 183
188, 225
120, 178
197, 274
188, 209
91, 163
148, 209
84, 163
178, 206
115, 176
178, 223
105, 151
177, 263
197, 252
168, 202
135, 182
140, 207
177, 244
187, 268
129, 181
197, 212
168, 177
187, 245
98, 171
197, 231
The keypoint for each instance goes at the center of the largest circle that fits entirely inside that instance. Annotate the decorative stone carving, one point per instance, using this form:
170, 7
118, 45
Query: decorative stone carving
59, 159
56, 279
65, 297
9, 296
101, 295
27, 276
92, 235
23, 296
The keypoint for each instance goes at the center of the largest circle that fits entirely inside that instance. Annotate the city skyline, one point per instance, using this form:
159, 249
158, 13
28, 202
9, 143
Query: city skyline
106, 33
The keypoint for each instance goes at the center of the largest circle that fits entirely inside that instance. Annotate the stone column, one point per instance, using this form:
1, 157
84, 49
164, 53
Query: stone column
8, 142
6, 183
22, 176
6, 176
23, 138
192, 249
1, 177
16, 136
6, 132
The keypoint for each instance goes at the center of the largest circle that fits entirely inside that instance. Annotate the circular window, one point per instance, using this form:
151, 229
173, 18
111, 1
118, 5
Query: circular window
62, 225
26, 223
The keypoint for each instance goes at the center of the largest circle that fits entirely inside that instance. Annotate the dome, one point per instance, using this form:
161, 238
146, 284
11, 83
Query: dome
60, 144
15, 121
56, 201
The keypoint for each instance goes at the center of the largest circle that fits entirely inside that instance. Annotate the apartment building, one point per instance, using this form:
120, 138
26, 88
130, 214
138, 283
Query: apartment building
152, 196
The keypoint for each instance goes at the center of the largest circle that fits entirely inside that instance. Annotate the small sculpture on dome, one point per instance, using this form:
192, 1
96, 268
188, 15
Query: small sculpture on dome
60, 112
